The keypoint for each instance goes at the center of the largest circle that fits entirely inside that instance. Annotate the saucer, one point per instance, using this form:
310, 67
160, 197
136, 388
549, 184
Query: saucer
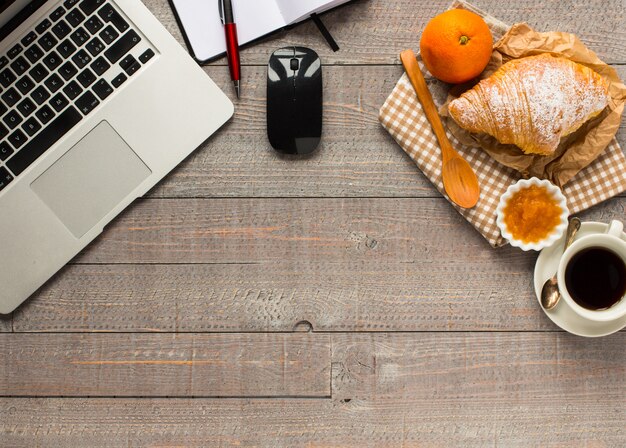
562, 315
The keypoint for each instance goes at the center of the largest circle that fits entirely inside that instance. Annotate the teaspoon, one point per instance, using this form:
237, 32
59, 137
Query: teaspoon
550, 294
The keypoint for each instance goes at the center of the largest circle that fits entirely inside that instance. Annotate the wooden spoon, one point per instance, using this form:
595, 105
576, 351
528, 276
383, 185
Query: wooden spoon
459, 180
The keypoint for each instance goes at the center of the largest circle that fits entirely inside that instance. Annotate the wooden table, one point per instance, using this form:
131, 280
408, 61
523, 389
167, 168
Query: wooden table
334, 301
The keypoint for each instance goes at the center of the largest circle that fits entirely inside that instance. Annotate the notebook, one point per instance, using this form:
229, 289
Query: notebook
204, 32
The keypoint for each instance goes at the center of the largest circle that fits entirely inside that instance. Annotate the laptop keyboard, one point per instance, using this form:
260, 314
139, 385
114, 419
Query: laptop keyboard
55, 75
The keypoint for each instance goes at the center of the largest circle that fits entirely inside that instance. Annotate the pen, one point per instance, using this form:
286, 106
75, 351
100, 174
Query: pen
232, 45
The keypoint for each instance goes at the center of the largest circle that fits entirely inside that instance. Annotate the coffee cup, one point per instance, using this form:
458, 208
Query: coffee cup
592, 275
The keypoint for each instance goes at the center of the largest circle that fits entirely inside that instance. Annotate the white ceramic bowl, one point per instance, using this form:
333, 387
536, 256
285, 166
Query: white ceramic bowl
558, 230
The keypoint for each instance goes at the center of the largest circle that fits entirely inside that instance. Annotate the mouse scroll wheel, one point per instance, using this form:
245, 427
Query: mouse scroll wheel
295, 64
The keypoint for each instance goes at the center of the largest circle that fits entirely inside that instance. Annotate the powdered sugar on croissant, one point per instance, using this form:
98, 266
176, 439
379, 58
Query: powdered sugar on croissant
532, 102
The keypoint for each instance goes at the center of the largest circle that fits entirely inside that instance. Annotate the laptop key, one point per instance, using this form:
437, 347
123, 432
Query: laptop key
17, 139
130, 65
14, 51
20, 65
12, 119
58, 102
146, 56
81, 59
40, 95
110, 15
47, 41
7, 77
38, 72
43, 26
52, 60
11, 97
53, 83
93, 24
125, 43
119, 80
5, 178
87, 102
4, 61
26, 107
102, 89
66, 48
67, 70
86, 78
3, 110
69, 4
109, 34
44, 114
29, 38
31, 126
25, 84
119, 22
127, 60
44, 140
72, 90
95, 46
5, 148
100, 65
34, 53
57, 14
75, 17
89, 6
80, 36
61, 29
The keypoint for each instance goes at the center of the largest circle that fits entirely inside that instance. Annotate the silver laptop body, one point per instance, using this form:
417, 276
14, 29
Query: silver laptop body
122, 130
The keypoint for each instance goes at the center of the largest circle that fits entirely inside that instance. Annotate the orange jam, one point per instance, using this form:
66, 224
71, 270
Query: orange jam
532, 214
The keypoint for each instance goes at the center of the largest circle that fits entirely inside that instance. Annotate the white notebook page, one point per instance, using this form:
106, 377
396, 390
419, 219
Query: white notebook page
204, 29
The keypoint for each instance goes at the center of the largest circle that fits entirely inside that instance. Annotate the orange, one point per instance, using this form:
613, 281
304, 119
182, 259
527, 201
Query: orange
456, 46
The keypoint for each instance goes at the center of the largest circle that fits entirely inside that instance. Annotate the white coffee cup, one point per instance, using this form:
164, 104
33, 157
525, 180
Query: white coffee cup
611, 240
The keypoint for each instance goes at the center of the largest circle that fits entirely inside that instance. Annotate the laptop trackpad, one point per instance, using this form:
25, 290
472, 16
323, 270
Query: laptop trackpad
91, 179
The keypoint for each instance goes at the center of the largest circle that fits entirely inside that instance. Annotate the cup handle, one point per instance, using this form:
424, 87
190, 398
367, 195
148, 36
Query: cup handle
615, 228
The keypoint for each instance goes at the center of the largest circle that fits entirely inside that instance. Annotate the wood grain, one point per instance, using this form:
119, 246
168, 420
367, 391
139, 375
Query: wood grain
375, 31
363, 265
231, 298
412, 423
331, 232
357, 157
165, 365
426, 389
512, 368
328, 231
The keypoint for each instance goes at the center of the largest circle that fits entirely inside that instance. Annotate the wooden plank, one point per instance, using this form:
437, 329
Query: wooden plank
411, 423
373, 231
357, 157
375, 31
514, 368
427, 389
329, 231
218, 365
341, 265
231, 298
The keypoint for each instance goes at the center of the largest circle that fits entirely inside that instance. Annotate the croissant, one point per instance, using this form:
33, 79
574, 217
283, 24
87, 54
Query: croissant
532, 102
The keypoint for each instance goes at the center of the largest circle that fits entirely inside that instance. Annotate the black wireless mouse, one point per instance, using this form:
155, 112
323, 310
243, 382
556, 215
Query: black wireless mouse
294, 100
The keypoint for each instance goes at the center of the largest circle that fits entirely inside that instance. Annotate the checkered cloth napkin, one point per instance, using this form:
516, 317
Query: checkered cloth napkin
403, 117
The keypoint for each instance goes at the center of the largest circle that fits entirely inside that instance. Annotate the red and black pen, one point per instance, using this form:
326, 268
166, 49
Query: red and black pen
232, 44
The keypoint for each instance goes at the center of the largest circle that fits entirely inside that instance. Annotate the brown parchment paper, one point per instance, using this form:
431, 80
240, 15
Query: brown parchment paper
575, 151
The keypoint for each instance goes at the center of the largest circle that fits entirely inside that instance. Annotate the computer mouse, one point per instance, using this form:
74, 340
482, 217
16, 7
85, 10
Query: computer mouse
294, 100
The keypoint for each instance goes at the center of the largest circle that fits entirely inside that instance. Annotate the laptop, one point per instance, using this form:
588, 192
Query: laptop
98, 103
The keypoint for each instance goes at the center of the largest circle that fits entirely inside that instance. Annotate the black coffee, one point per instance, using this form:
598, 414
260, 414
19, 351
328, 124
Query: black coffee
596, 278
